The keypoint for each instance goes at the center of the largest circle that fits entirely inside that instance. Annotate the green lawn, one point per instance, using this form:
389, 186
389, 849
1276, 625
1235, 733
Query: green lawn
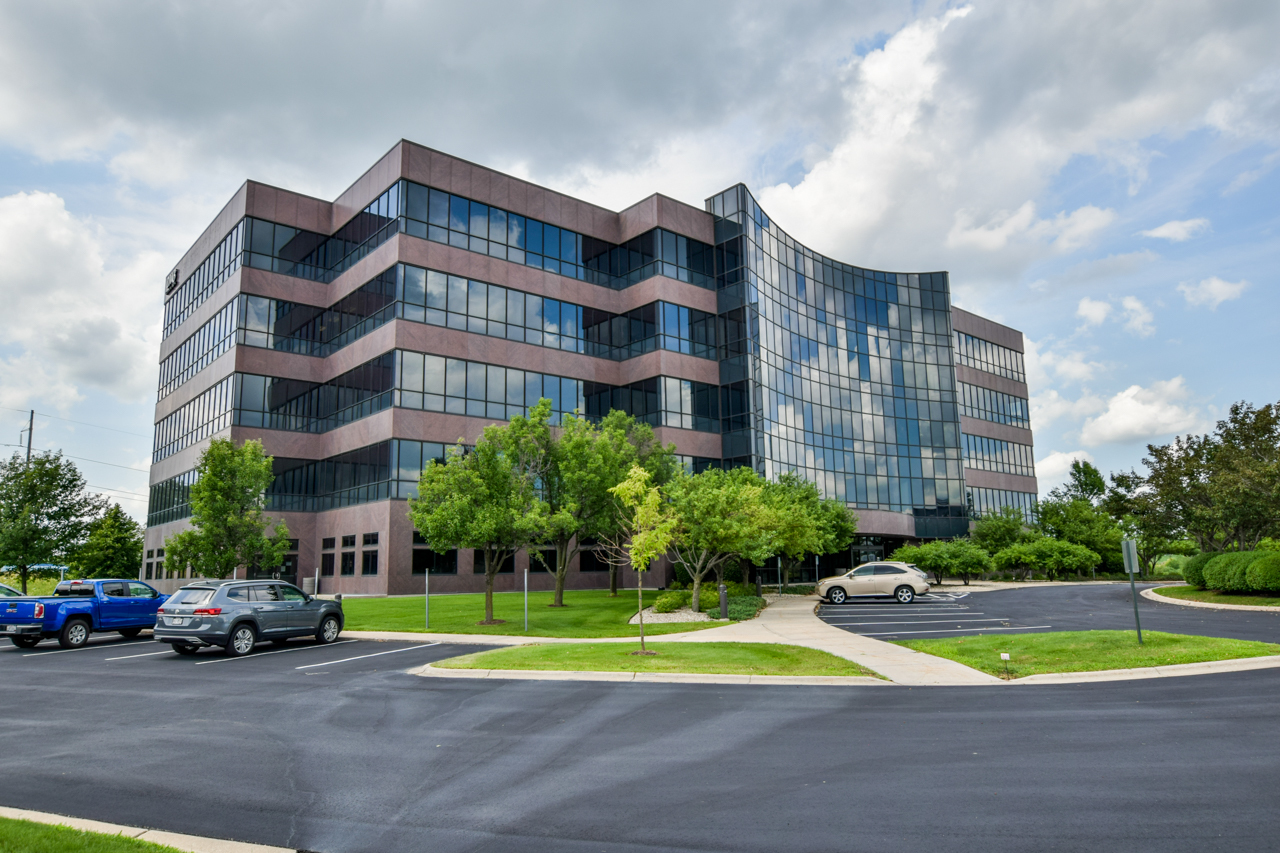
1190, 593
35, 586
587, 613
23, 836
1085, 651
707, 658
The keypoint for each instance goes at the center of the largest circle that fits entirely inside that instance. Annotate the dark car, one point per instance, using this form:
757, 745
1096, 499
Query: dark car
237, 615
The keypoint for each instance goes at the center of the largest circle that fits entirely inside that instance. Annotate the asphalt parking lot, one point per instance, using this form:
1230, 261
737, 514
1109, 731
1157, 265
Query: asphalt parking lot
952, 612
352, 754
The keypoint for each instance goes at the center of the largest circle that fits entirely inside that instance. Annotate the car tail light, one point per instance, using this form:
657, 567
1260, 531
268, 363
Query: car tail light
39, 610
160, 610
208, 611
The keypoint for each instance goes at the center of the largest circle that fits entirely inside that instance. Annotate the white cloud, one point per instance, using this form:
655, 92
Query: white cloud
1212, 292
1137, 317
70, 320
1045, 365
1178, 230
1053, 469
1050, 406
1143, 414
1093, 311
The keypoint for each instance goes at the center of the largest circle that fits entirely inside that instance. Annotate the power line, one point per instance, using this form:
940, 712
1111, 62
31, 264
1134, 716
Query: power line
82, 423
121, 491
112, 464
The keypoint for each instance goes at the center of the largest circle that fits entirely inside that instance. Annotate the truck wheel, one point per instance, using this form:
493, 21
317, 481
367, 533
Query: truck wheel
130, 632
74, 634
241, 641
25, 642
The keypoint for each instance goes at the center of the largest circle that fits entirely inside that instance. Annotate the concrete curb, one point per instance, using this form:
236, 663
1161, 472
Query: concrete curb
499, 639
1155, 596
1172, 671
652, 677
189, 843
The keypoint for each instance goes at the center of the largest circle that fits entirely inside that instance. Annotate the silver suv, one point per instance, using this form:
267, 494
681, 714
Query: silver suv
237, 615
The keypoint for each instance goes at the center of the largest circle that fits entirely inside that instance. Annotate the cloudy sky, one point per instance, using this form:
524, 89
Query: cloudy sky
1099, 175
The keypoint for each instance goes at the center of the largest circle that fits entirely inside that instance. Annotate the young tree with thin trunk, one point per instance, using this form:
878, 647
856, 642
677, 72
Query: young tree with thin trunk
45, 512
651, 529
487, 499
228, 519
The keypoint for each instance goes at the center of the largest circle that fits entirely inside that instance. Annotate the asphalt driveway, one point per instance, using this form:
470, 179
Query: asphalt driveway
355, 755
1069, 607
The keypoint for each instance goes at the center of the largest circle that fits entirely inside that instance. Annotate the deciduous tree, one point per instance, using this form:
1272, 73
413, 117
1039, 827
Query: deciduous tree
45, 512
651, 528
228, 515
113, 548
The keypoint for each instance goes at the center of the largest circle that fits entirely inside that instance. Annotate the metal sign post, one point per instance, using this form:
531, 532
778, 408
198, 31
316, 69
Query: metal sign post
526, 599
1130, 550
426, 595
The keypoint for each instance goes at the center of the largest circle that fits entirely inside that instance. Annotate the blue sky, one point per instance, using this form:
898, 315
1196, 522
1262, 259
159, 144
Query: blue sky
1100, 176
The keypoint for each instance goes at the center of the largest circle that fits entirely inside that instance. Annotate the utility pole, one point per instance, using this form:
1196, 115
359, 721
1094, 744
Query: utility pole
31, 425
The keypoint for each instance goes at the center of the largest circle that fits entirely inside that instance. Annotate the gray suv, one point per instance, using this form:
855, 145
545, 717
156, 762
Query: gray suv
237, 615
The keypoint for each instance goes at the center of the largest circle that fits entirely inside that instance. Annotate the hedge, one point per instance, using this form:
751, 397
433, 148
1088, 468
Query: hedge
1263, 573
1226, 572
1193, 569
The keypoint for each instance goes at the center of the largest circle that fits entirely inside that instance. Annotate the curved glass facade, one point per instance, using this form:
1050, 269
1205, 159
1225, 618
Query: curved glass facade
848, 371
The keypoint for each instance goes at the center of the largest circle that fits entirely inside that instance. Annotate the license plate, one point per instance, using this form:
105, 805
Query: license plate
177, 620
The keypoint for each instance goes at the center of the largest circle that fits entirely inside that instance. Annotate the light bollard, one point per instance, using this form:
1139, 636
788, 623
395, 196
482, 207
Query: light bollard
724, 602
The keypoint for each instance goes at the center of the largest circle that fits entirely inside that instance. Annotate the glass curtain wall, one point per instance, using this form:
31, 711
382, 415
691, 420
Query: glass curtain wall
849, 373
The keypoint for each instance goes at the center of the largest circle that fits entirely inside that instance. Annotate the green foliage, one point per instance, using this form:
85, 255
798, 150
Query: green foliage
227, 519
723, 516
1193, 569
23, 836
744, 607
1078, 521
486, 499
1228, 572
956, 557
804, 523
1084, 484
45, 512
998, 529
1051, 557
1263, 574
672, 600
113, 548
1267, 543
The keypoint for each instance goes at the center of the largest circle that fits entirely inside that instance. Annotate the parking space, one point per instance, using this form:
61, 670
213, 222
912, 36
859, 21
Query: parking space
938, 614
107, 654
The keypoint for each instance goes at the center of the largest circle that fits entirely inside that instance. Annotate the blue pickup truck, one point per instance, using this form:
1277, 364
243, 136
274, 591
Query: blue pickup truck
79, 608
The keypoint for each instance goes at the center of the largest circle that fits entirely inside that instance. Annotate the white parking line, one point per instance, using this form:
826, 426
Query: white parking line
143, 655
362, 657
953, 630
280, 652
923, 622
86, 648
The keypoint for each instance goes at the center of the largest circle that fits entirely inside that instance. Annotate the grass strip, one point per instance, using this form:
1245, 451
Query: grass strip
587, 613
705, 658
24, 836
1213, 596
1085, 651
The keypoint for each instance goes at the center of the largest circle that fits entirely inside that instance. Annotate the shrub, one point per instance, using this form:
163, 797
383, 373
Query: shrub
670, 602
1193, 569
1227, 572
744, 607
1263, 574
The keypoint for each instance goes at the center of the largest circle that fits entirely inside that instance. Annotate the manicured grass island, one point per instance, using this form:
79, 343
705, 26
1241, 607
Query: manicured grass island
587, 613
24, 836
705, 658
1213, 596
1085, 651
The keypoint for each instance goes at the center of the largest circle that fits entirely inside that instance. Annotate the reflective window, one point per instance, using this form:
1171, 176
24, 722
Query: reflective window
992, 454
994, 406
992, 358
982, 501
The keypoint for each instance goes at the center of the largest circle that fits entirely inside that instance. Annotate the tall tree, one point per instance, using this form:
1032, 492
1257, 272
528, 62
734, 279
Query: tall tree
487, 499
583, 463
998, 529
1151, 524
113, 548
45, 512
652, 528
1079, 521
1085, 483
722, 516
228, 515
805, 523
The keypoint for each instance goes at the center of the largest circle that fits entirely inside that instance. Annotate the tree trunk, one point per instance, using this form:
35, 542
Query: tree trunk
697, 589
613, 580
562, 569
640, 601
489, 571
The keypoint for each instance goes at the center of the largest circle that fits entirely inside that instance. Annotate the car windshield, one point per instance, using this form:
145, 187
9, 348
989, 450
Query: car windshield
8, 591
192, 595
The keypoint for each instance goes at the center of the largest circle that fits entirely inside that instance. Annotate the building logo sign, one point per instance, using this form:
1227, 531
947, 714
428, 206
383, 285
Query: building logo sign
171, 282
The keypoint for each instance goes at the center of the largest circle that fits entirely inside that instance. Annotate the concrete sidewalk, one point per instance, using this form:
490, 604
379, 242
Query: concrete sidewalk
188, 843
792, 621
